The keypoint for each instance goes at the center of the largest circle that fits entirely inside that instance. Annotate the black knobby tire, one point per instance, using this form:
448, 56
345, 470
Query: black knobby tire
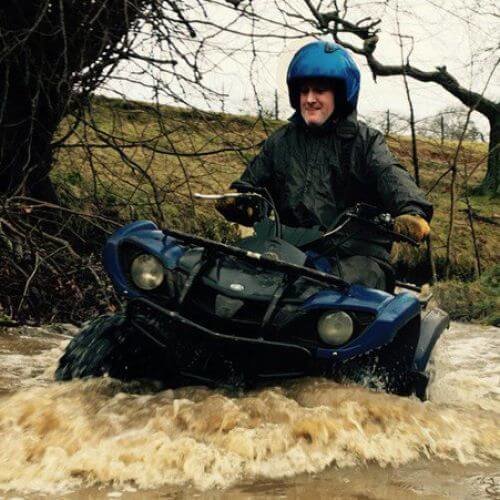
393, 373
389, 368
106, 345
395, 360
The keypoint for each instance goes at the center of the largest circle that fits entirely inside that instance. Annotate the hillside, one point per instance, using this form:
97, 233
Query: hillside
160, 167
125, 161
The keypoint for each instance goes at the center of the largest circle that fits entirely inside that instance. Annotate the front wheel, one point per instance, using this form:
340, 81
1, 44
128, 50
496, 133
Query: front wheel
109, 345
389, 368
395, 363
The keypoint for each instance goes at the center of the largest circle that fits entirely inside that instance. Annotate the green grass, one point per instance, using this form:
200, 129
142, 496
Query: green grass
153, 175
474, 301
152, 182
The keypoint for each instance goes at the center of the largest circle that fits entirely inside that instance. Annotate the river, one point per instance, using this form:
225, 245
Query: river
104, 439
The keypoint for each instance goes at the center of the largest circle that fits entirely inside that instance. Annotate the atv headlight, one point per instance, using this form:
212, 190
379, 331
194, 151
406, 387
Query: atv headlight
335, 328
147, 272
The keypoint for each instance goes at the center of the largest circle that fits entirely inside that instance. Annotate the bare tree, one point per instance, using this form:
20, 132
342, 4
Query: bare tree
410, 104
55, 53
115, 157
336, 22
449, 124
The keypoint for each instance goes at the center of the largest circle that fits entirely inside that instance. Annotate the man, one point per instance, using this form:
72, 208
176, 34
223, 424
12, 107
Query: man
324, 161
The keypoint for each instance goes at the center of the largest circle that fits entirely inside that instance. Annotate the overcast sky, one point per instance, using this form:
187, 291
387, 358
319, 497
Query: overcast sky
443, 32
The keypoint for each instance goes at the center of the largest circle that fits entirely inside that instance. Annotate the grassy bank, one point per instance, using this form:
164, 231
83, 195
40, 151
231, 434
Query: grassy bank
126, 161
477, 301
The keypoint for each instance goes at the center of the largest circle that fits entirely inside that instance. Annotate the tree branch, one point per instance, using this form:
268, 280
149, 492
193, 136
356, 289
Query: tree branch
368, 33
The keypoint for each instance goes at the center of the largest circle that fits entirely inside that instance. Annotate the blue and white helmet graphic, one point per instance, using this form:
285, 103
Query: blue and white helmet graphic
330, 61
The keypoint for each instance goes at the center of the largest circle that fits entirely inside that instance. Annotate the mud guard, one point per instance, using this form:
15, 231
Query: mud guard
432, 326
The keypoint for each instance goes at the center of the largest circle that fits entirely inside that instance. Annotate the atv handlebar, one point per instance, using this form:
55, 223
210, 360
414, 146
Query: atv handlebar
383, 222
367, 214
262, 196
227, 195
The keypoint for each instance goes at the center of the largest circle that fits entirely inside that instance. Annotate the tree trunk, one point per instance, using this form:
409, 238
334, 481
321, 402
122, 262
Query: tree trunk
34, 90
28, 121
47, 50
491, 183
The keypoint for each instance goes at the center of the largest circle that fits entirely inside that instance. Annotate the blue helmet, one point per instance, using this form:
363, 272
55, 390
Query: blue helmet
328, 61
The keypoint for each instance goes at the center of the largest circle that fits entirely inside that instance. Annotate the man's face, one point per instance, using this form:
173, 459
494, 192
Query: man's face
317, 102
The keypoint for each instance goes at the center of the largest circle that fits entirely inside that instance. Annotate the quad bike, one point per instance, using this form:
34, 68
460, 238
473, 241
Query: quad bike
265, 309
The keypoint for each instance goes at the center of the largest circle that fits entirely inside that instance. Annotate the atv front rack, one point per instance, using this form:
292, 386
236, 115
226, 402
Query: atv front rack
214, 247
292, 272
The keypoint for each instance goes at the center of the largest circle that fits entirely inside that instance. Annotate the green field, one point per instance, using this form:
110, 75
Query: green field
129, 160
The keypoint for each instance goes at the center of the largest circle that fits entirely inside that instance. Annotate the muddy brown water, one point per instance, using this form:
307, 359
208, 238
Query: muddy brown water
309, 438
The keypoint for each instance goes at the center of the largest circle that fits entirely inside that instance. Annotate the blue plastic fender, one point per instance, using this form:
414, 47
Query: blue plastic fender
392, 314
356, 298
144, 234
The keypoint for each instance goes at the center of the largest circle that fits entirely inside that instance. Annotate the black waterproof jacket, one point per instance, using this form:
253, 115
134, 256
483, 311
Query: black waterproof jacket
314, 174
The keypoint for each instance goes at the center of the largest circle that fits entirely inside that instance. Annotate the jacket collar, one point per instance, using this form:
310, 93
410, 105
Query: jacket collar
345, 128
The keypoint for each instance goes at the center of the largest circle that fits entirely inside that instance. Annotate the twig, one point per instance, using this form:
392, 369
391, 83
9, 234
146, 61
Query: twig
28, 282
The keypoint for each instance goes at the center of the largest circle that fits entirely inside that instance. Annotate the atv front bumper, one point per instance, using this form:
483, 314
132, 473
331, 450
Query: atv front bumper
206, 355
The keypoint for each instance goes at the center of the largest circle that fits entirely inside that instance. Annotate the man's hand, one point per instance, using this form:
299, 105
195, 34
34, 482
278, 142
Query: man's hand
238, 210
413, 226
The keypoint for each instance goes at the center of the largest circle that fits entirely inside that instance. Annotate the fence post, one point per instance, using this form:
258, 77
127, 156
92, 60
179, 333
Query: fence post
442, 129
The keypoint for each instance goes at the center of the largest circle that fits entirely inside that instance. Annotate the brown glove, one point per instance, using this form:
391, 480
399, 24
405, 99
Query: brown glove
413, 226
235, 210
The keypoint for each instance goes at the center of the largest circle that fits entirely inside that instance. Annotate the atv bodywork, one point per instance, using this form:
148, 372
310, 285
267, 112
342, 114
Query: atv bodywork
247, 314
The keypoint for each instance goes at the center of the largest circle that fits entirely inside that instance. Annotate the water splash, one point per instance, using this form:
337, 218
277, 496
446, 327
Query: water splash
64, 436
